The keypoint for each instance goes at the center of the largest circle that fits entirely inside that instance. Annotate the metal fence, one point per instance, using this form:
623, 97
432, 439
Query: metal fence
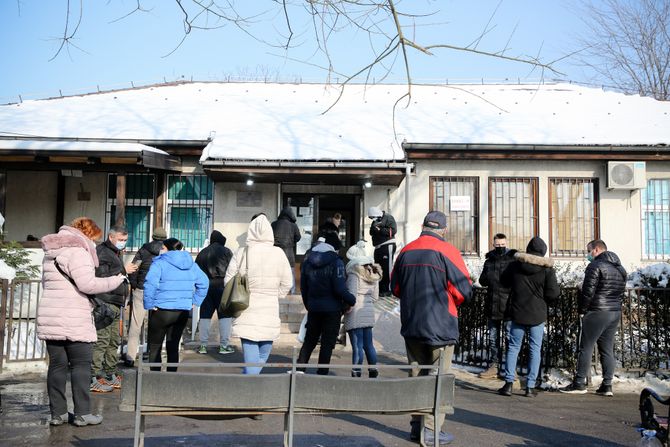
18, 322
642, 342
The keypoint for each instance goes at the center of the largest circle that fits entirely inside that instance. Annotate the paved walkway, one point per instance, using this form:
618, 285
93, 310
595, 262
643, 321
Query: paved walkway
482, 418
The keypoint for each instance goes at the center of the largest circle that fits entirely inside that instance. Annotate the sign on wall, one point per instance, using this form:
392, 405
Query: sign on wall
250, 199
459, 203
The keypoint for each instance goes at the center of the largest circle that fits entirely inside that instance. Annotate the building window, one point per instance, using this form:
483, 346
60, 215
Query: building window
140, 190
573, 215
190, 203
656, 219
513, 209
457, 197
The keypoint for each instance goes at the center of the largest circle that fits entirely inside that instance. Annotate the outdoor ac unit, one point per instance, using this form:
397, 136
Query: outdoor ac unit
626, 175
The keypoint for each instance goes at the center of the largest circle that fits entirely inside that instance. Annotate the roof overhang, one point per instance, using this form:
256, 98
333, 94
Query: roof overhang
39, 154
455, 151
307, 171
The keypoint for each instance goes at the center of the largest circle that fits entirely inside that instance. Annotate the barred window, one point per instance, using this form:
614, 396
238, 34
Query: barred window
656, 219
573, 215
140, 199
190, 203
513, 209
458, 198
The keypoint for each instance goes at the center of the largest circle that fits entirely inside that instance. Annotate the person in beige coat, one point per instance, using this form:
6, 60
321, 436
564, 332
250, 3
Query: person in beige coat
269, 278
363, 277
64, 319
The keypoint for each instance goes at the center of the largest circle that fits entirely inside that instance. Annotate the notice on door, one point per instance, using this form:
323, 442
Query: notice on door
459, 203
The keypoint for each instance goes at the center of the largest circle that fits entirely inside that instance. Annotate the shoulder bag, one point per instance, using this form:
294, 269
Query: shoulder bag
103, 316
235, 297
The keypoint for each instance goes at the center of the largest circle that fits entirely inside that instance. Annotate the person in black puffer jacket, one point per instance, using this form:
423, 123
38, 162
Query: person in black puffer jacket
325, 296
104, 369
144, 257
532, 281
497, 296
214, 260
287, 235
600, 311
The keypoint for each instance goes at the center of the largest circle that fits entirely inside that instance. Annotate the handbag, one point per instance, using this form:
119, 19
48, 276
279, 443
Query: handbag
235, 297
102, 314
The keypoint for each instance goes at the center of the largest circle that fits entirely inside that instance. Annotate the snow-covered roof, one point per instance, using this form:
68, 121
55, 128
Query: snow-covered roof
77, 146
259, 121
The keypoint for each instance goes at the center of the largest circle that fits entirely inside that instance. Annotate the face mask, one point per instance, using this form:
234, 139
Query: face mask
589, 257
120, 245
500, 250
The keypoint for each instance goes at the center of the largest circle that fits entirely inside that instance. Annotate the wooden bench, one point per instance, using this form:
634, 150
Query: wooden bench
203, 394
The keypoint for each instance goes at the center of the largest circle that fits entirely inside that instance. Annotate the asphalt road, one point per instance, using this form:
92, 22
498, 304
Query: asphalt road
482, 418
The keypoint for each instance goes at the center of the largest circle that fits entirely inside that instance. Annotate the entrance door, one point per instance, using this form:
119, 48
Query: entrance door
312, 210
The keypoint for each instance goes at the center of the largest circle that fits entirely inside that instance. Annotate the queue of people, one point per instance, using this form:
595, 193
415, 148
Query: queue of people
429, 278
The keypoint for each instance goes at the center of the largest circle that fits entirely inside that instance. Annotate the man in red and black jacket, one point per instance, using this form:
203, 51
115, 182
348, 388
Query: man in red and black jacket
431, 280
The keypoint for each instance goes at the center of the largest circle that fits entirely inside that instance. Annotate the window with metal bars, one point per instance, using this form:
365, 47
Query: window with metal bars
140, 200
458, 198
573, 215
513, 209
656, 219
190, 204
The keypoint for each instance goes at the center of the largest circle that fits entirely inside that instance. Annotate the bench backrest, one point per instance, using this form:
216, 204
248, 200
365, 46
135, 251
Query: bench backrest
271, 392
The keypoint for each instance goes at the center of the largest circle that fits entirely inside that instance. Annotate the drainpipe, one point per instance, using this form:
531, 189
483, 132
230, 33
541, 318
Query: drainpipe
405, 232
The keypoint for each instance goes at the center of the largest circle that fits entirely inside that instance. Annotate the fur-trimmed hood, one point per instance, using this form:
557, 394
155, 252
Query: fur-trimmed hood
533, 259
365, 274
69, 237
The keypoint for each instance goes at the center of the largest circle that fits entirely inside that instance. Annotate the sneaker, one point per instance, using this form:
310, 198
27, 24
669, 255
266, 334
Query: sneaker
114, 381
490, 373
87, 419
59, 420
444, 437
226, 349
605, 390
574, 388
202, 349
100, 385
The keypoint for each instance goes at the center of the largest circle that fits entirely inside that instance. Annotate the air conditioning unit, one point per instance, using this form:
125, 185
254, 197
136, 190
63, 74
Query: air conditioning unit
626, 175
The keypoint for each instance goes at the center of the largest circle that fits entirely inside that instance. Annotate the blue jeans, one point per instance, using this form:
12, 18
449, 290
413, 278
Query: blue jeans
361, 343
255, 352
514, 340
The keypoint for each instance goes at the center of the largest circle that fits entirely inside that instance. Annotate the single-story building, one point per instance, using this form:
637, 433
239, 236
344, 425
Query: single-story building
565, 162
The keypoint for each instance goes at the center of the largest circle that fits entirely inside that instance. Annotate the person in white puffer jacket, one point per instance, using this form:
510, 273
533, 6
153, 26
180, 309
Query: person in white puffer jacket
363, 277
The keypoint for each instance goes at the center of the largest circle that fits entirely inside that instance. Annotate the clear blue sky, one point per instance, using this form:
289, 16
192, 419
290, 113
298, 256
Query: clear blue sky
135, 49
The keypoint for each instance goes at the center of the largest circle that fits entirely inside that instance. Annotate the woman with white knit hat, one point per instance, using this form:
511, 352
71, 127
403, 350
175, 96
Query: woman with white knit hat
363, 277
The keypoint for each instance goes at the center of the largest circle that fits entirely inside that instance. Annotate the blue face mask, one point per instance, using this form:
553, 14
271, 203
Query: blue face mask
589, 257
120, 245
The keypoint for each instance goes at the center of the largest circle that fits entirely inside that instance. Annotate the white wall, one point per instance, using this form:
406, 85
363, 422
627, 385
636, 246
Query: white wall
96, 184
31, 204
233, 220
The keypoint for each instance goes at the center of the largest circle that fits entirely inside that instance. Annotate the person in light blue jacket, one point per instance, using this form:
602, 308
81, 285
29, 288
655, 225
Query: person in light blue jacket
172, 286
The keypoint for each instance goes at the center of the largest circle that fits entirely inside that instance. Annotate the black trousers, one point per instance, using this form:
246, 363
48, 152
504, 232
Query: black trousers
76, 357
384, 257
168, 325
325, 325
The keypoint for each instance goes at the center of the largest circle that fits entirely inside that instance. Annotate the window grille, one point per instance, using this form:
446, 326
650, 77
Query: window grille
190, 204
140, 199
573, 215
656, 219
513, 209
458, 198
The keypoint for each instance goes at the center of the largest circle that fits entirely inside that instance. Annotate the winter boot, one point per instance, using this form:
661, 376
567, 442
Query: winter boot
373, 372
490, 373
506, 389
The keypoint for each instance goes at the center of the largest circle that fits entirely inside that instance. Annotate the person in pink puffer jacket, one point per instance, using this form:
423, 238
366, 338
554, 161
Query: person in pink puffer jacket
64, 318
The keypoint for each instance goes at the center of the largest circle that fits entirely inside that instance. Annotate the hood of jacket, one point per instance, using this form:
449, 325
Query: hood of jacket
69, 237
612, 258
179, 258
370, 275
531, 263
217, 238
287, 213
260, 231
321, 255
153, 247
